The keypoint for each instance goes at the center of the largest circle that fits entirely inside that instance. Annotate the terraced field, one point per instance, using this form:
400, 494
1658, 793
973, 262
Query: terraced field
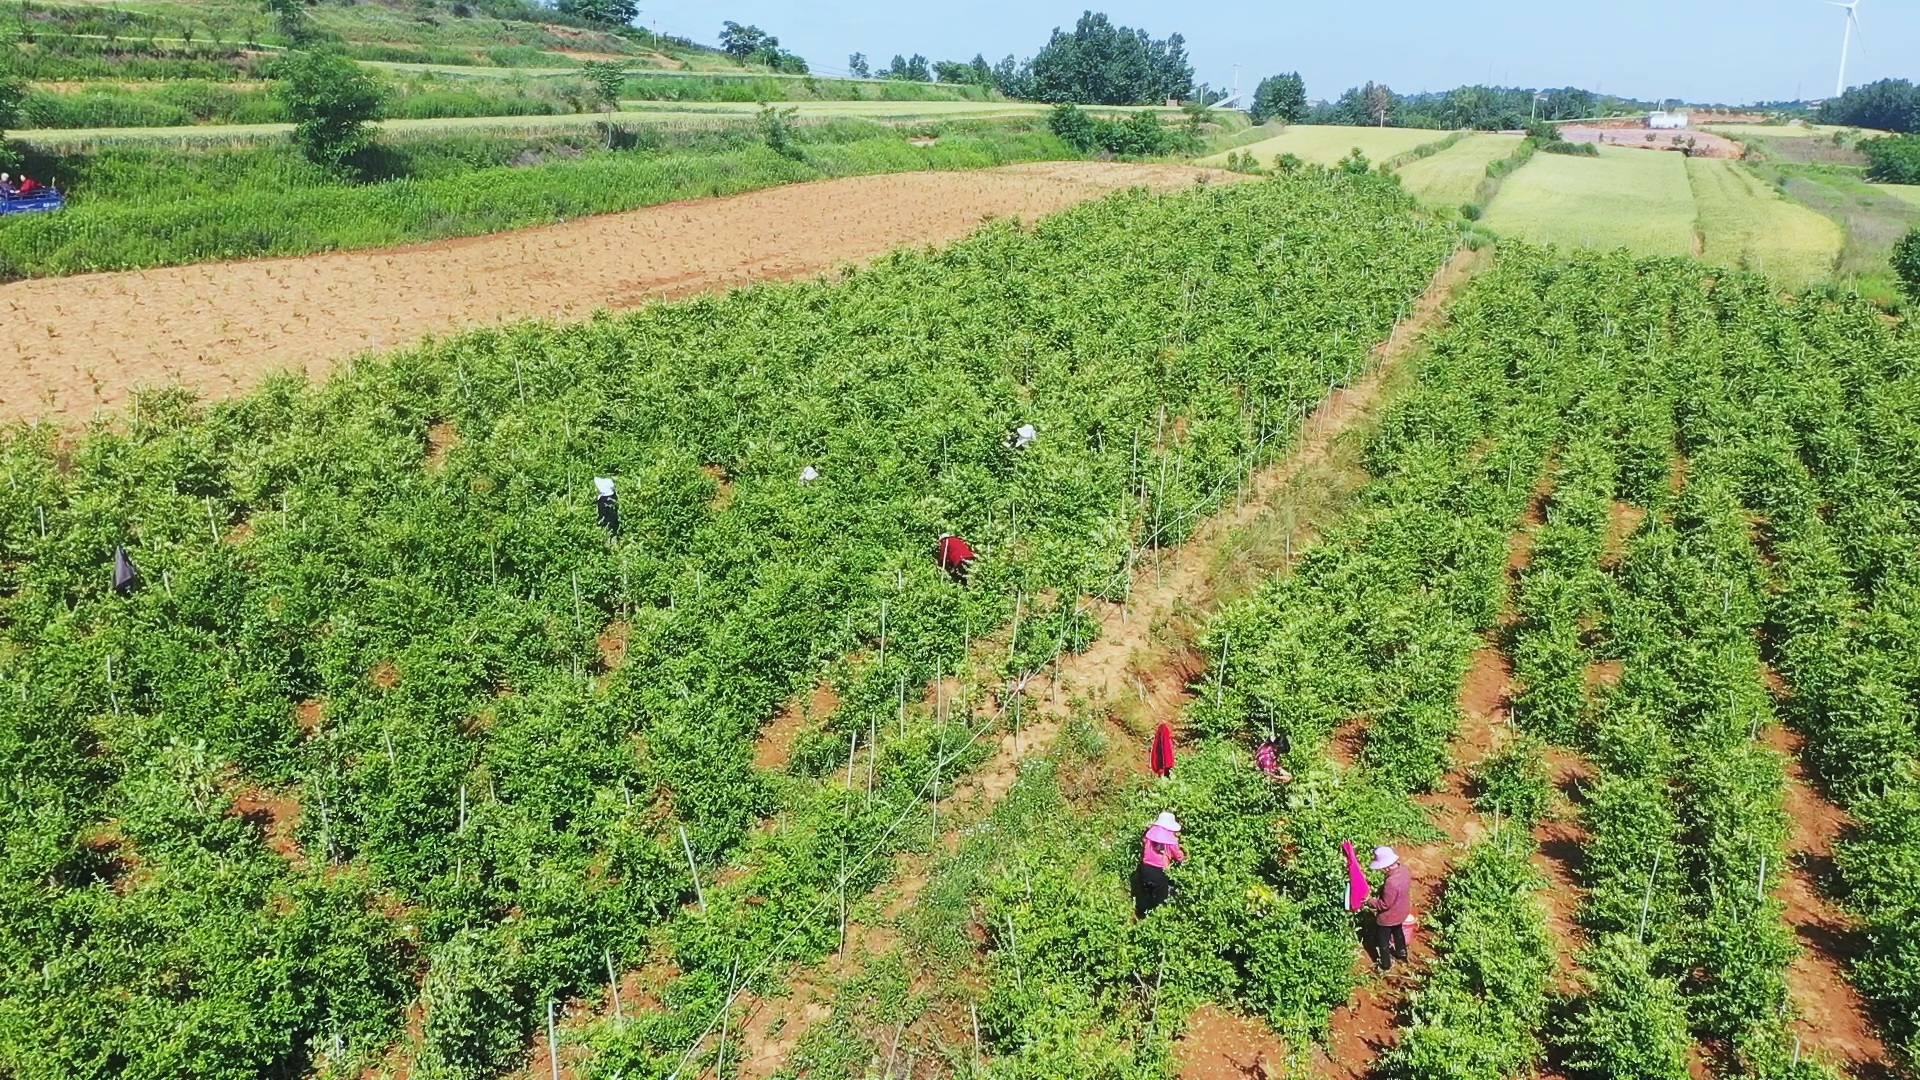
1636, 199
1453, 175
1328, 143
1745, 222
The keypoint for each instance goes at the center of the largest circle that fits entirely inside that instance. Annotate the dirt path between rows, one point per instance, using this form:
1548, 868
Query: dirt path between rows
72, 346
1138, 669
1833, 1018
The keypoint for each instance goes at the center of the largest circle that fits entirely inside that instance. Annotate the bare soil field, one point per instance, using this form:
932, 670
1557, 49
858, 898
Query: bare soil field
1705, 143
72, 346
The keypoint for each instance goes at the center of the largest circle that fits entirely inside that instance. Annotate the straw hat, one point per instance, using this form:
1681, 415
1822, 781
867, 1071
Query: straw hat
1167, 821
1383, 857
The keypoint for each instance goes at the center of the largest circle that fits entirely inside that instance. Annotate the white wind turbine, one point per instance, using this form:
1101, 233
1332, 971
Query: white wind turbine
1846, 39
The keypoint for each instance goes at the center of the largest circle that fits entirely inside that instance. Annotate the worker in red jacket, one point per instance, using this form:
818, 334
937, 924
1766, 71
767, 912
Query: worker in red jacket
955, 556
1393, 906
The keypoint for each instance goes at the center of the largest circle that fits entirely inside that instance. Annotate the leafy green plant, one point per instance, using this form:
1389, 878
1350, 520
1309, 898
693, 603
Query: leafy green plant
330, 100
1513, 783
1906, 263
1627, 1022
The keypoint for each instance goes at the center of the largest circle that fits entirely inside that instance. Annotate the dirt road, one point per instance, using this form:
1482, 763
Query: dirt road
70, 347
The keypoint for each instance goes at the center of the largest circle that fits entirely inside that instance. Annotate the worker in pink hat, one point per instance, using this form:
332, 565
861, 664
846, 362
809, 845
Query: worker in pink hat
1392, 906
1160, 846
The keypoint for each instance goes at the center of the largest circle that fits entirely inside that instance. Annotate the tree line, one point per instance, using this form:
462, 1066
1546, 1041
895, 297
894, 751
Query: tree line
1485, 108
1096, 63
1887, 105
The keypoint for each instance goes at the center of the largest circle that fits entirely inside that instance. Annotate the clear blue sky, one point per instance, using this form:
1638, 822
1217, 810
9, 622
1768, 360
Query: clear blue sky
1703, 50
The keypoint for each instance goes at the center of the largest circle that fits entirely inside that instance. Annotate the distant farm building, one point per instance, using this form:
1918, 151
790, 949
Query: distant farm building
1666, 121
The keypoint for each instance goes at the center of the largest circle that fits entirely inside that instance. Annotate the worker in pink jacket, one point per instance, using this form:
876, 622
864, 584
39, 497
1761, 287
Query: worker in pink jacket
1392, 905
1161, 845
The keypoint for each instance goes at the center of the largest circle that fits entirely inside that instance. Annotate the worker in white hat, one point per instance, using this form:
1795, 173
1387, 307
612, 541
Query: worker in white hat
1160, 846
1392, 906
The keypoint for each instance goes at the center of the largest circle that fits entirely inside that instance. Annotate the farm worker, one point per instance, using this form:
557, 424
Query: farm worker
809, 474
1267, 757
1393, 908
28, 185
1160, 754
1023, 437
955, 556
608, 504
6, 184
1161, 843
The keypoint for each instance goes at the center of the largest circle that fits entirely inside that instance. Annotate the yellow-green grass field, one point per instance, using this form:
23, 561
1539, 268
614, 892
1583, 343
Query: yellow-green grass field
1325, 144
1659, 203
1452, 176
1908, 192
1743, 221
1637, 199
1781, 131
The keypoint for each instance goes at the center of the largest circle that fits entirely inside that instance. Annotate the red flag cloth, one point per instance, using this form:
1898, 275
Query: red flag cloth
954, 551
1160, 759
1358, 889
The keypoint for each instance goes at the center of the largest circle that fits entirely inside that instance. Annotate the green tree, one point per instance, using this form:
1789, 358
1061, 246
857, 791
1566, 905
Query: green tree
741, 42
331, 101
1906, 263
1889, 105
915, 69
1893, 159
858, 67
777, 130
606, 12
606, 77
1280, 97
290, 16
1103, 64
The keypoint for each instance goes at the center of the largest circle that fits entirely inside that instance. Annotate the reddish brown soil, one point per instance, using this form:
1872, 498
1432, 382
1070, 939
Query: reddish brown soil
385, 675
612, 643
276, 815
1488, 688
1834, 1020
1602, 673
1705, 143
71, 346
1220, 1045
309, 714
723, 496
1623, 521
775, 744
441, 439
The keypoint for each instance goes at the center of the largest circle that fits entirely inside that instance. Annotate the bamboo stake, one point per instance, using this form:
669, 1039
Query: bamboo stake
553, 1042
613, 987
693, 869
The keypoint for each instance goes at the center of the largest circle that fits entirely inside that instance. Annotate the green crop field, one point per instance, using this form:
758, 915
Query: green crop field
706, 113
1326, 144
1746, 222
1636, 199
1452, 176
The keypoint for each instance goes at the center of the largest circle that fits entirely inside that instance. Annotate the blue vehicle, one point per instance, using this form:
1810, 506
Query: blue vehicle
43, 199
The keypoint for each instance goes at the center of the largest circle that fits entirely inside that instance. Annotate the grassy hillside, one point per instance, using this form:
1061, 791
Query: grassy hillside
149, 204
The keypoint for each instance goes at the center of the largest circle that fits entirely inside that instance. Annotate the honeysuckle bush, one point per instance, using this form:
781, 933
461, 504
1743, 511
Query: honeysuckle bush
404, 642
